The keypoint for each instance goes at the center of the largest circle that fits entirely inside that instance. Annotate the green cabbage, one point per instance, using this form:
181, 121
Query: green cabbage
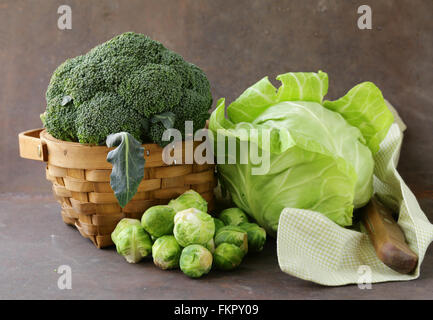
321, 153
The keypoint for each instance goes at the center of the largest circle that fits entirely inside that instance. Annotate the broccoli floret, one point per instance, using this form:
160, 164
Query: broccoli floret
190, 108
56, 88
86, 79
59, 119
200, 84
103, 115
116, 69
152, 89
182, 67
130, 44
119, 86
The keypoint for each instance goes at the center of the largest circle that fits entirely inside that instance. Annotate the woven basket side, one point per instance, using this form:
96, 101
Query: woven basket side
89, 203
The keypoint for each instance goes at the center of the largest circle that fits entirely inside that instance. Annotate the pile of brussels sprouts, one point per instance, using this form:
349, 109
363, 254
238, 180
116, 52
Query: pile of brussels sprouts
182, 234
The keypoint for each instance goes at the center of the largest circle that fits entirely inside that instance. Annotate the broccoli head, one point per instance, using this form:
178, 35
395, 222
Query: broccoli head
119, 86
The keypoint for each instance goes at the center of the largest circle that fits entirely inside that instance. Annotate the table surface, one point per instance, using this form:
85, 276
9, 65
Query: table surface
35, 242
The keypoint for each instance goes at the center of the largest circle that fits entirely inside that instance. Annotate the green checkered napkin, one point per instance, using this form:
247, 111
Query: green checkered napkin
312, 247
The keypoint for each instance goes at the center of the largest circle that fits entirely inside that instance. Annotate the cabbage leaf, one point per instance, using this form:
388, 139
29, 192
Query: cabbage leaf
365, 108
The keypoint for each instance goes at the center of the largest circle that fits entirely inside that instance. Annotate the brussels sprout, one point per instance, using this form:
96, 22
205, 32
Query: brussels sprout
227, 256
189, 199
234, 235
218, 224
256, 236
195, 261
193, 226
210, 245
133, 242
158, 220
122, 224
233, 216
166, 252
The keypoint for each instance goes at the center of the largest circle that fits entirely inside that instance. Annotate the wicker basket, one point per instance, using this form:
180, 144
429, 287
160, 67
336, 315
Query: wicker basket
81, 182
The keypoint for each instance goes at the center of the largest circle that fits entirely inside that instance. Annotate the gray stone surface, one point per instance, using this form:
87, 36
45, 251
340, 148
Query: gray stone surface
34, 242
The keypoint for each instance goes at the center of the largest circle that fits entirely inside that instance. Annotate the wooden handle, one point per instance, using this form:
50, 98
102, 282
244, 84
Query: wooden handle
388, 238
31, 146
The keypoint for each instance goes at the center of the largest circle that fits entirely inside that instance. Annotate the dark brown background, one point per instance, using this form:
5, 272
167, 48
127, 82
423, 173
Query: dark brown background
235, 43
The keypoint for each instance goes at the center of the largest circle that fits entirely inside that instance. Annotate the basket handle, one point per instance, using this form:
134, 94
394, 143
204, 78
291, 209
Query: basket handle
31, 146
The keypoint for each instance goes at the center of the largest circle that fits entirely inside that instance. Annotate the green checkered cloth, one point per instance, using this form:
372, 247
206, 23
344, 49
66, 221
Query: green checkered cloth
312, 247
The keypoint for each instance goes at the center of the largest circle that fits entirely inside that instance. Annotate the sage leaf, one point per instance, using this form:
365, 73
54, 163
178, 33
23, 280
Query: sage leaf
128, 165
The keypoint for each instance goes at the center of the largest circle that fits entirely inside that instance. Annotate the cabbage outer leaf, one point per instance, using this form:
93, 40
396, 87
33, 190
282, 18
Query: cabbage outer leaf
365, 108
303, 86
253, 101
